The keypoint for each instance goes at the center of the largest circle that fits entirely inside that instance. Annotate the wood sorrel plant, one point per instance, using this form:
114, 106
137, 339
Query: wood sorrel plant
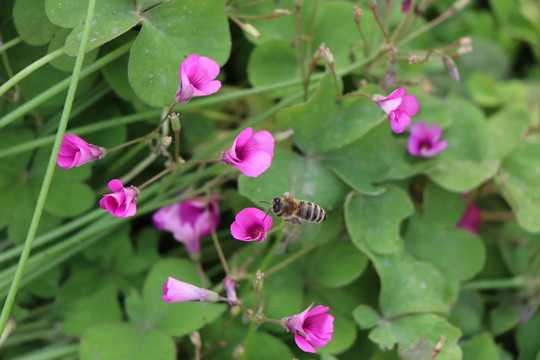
118, 119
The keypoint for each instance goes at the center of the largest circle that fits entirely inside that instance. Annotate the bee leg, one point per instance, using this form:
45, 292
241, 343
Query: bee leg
294, 220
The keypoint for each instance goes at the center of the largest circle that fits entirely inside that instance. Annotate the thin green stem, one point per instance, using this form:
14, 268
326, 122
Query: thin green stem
270, 254
140, 167
249, 340
300, 45
496, 284
10, 44
131, 142
62, 85
378, 21
154, 178
29, 70
6, 310
290, 259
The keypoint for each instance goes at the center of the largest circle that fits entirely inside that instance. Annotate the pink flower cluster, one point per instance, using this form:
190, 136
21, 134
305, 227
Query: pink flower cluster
188, 221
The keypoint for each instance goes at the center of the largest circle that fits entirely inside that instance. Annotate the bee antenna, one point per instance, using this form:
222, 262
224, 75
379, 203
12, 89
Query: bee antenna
266, 202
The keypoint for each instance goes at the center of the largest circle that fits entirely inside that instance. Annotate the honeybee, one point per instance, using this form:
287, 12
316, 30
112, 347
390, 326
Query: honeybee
293, 210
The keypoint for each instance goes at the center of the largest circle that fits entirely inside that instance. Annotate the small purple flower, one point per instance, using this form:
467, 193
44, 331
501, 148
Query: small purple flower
405, 6
424, 141
471, 218
121, 203
312, 328
251, 153
251, 224
75, 152
230, 287
179, 291
188, 221
399, 108
197, 74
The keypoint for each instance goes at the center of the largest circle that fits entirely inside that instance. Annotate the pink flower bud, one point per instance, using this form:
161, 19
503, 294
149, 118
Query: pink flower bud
451, 67
197, 76
179, 291
312, 328
230, 287
251, 153
121, 202
424, 141
399, 108
251, 224
75, 152
471, 218
188, 221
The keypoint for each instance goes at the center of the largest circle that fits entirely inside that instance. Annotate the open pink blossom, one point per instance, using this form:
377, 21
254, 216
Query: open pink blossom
471, 218
75, 152
230, 288
312, 328
197, 74
399, 108
121, 202
251, 153
251, 224
424, 141
179, 291
188, 221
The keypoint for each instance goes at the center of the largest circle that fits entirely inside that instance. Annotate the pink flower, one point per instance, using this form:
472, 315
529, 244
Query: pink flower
424, 141
471, 218
197, 74
188, 221
121, 202
251, 224
312, 328
179, 291
251, 154
74, 151
230, 287
405, 6
399, 108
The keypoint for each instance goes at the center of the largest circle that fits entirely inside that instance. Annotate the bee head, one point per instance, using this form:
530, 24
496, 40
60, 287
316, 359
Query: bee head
276, 205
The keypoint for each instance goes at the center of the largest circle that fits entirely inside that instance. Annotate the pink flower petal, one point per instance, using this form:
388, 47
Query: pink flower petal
303, 344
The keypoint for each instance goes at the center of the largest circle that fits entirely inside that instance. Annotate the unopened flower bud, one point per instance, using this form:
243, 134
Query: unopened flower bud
258, 283
464, 50
466, 40
358, 15
230, 288
328, 56
195, 339
250, 29
284, 135
373, 4
405, 6
451, 67
412, 58
166, 140
238, 352
282, 12
460, 4
175, 122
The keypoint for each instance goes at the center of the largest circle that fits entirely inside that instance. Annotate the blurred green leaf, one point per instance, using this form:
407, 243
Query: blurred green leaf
467, 313
366, 317
32, 22
436, 238
465, 163
324, 123
273, 62
506, 315
343, 263
125, 341
376, 220
527, 338
416, 335
480, 347
519, 184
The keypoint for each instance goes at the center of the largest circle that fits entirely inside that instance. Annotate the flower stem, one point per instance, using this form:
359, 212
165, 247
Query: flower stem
15, 79
290, 260
155, 177
131, 142
496, 284
458, 5
6, 310
249, 340
300, 45
376, 16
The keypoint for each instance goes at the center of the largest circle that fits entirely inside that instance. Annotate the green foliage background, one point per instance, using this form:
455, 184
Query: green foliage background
390, 261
